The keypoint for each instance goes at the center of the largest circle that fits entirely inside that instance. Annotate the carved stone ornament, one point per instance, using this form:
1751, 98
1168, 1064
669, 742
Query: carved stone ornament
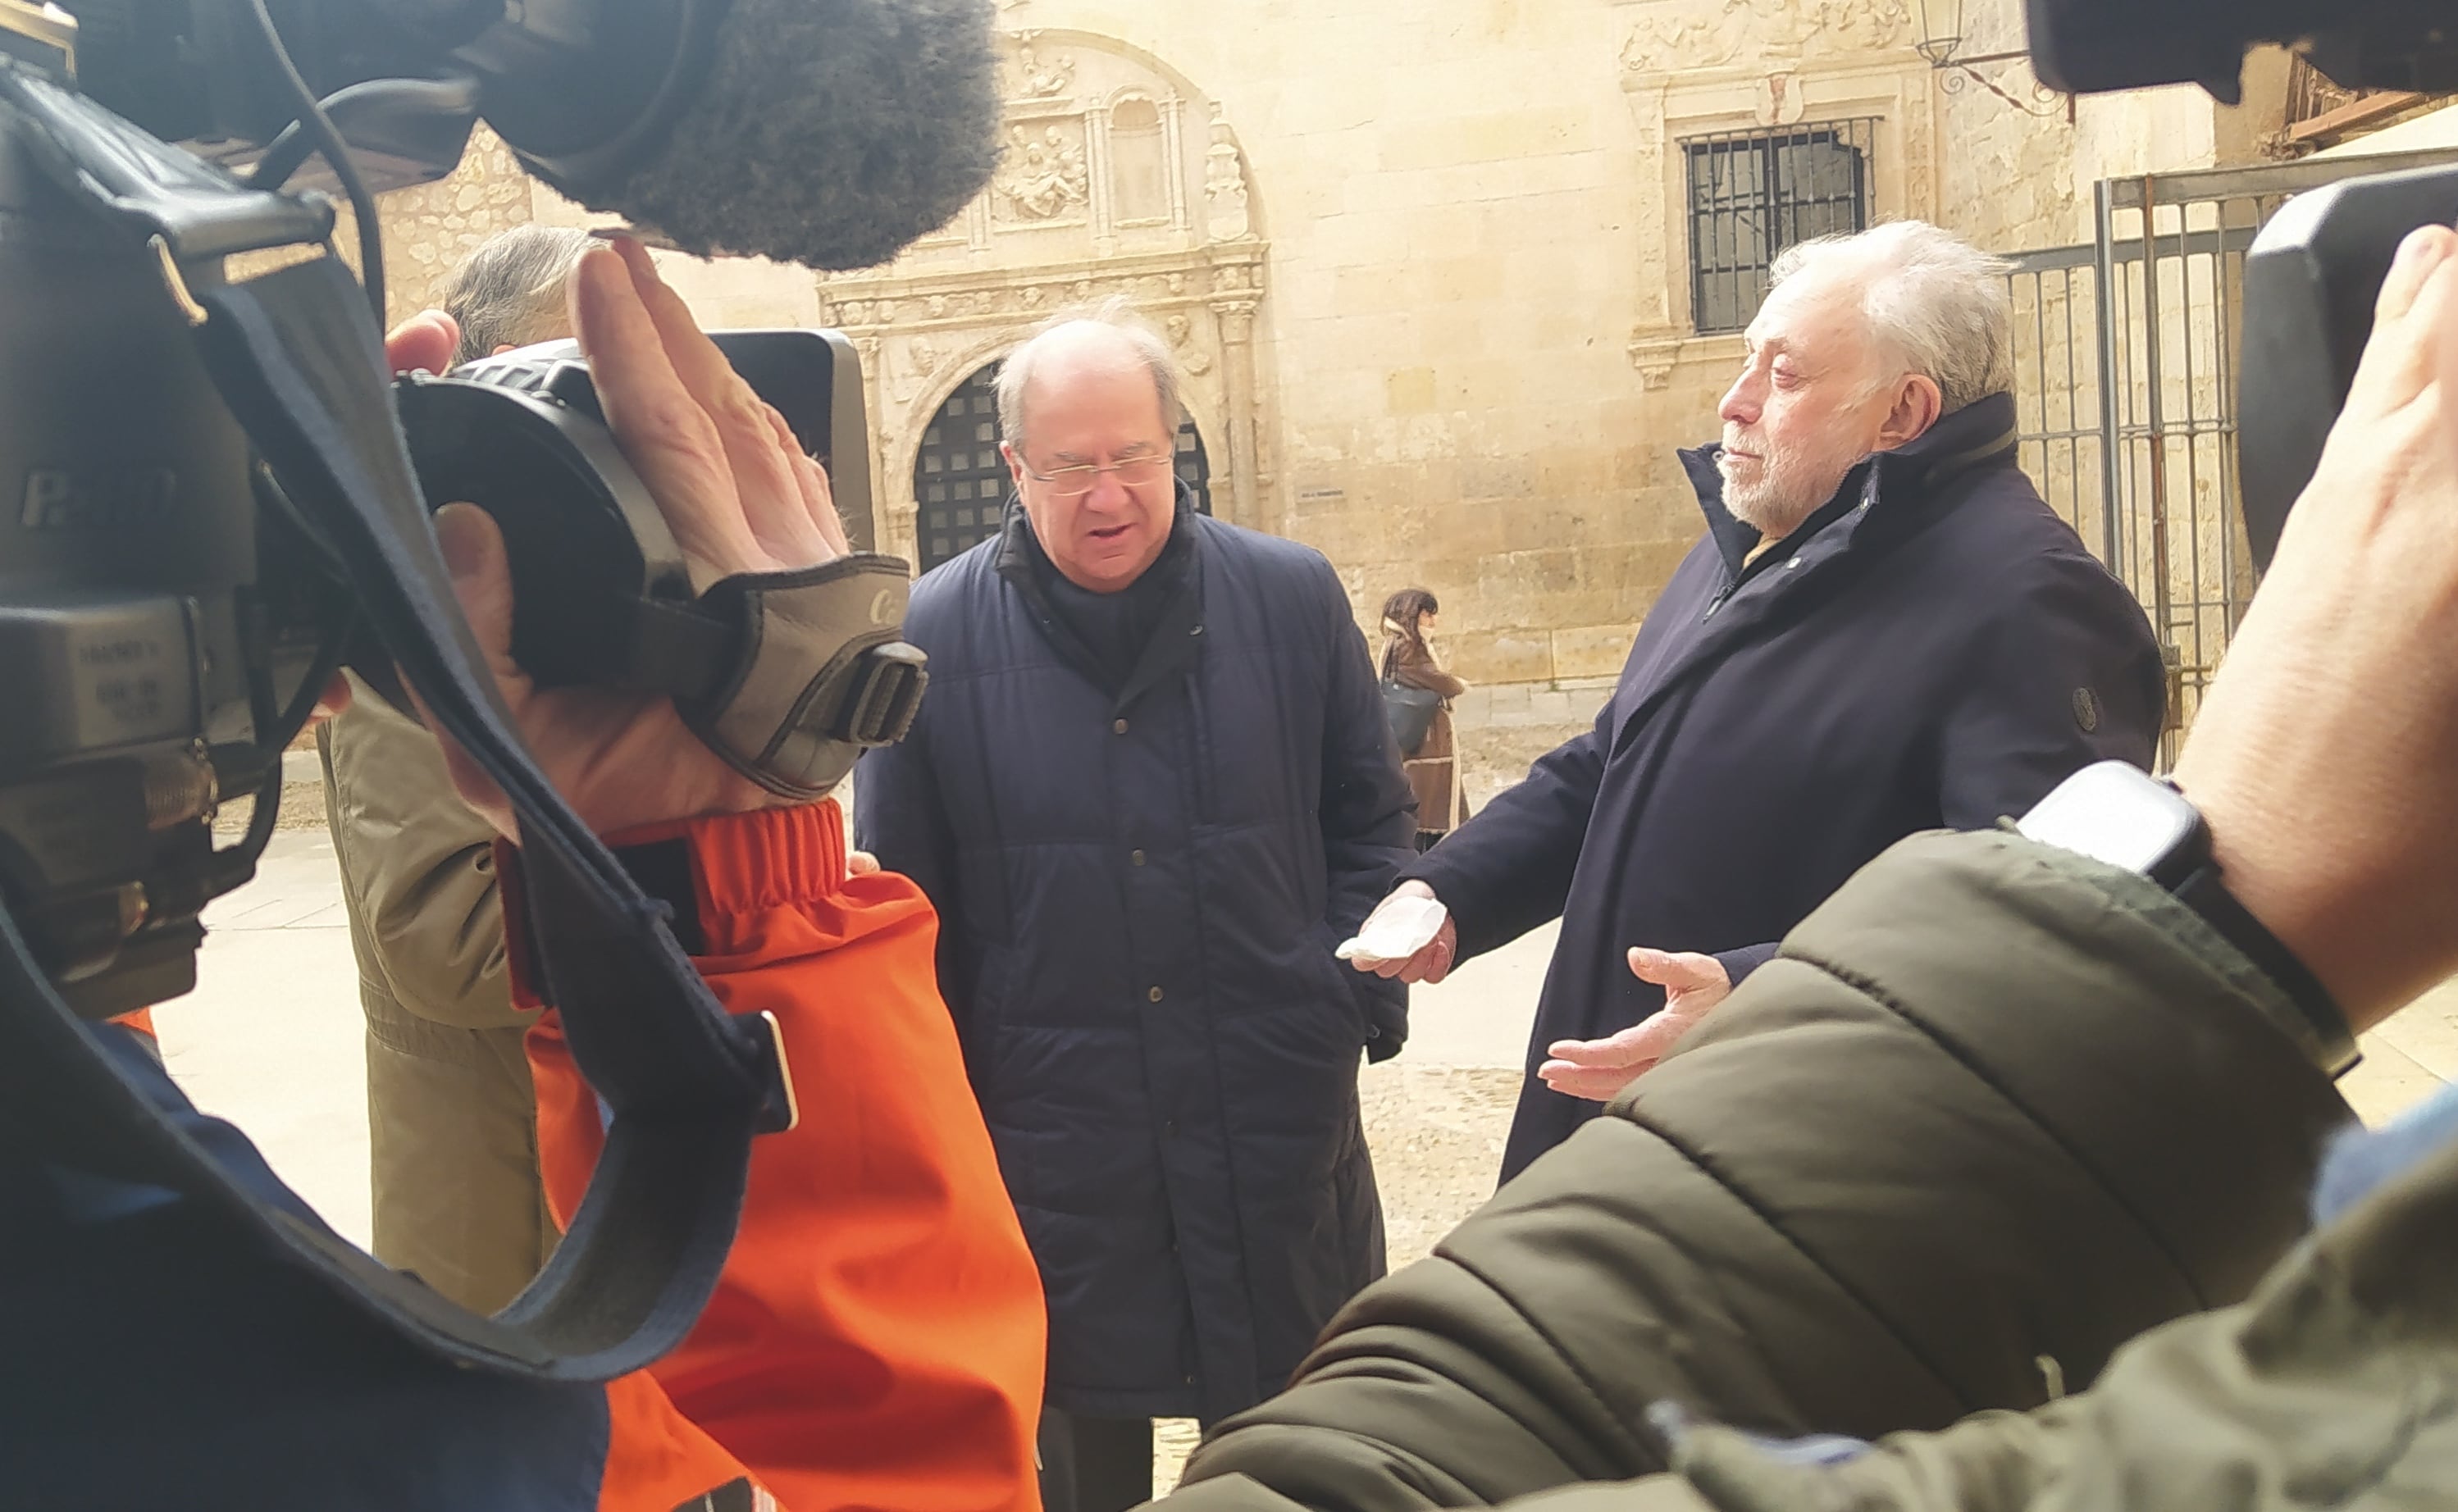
1045, 176
1654, 354
1779, 101
1224, 185
1180, 330
1035, 80
1675, 35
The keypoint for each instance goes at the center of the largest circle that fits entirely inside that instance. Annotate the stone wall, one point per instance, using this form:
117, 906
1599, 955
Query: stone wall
1438, 205
2019, 174
1427, 264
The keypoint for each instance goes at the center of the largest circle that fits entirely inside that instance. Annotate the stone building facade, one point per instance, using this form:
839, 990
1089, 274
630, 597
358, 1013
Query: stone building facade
1435, 270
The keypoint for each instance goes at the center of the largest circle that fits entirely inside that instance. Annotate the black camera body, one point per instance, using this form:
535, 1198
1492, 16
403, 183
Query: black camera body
2311, 277
154, 620
2314, 271
157, 614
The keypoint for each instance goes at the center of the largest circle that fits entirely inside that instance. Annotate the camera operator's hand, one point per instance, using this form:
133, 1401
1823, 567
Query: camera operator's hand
740, 496
2325, 754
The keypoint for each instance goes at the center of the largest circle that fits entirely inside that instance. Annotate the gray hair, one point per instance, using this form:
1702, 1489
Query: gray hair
1940, 302
509, 293
1148, 346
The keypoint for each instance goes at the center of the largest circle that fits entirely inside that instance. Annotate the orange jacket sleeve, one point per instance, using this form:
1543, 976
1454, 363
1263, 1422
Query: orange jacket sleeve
876, 1340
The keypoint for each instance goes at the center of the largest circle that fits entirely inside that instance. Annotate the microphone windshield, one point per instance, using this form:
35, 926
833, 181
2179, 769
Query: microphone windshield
829, 133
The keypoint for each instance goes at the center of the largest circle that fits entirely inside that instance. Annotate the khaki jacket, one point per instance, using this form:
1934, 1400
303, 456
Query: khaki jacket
2332, 1388
1993, 1106
451, 1116
418, 871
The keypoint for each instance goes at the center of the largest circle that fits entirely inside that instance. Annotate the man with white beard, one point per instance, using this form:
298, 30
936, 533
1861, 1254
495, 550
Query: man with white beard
1882, 630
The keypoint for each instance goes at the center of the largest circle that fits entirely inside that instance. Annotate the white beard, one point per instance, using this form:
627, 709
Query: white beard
1786, 485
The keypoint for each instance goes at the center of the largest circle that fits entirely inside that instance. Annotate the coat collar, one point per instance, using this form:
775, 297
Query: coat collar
1895, 485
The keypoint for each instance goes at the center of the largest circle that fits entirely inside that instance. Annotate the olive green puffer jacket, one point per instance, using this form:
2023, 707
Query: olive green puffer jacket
1995, 1110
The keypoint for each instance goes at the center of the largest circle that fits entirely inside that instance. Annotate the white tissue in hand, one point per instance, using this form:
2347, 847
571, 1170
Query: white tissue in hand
1399, 928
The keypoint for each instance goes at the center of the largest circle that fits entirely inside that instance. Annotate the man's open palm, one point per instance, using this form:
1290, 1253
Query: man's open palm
1598, 1070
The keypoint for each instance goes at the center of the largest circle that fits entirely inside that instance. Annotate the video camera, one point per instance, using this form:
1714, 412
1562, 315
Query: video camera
167, 613
2313, 272
218, 501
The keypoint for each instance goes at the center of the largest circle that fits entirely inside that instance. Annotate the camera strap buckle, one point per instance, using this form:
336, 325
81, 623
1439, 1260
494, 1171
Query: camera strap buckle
807, 670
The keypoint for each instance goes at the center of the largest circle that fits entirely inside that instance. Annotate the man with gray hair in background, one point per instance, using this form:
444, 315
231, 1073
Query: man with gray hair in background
1150, 792
451, 1117
1882, 630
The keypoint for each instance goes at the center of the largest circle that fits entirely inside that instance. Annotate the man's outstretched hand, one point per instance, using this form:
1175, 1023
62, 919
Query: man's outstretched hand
737, 492
1598, 1070
1429, 962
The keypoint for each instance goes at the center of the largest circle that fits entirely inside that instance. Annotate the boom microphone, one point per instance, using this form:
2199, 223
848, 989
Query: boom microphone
829, 133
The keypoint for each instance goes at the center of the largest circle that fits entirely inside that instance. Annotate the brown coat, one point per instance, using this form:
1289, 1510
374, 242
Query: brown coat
1433, 772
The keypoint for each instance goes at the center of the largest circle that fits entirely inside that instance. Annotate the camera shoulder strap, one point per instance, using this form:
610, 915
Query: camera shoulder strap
687, 1087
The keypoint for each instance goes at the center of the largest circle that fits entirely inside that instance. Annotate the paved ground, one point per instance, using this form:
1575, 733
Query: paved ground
272, 1039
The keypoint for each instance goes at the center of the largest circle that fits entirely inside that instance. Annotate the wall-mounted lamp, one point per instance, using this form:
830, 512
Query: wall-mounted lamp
1937, 27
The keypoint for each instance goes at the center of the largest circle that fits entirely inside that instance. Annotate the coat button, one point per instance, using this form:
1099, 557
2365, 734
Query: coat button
1154, 995
1117, 727
1136, 858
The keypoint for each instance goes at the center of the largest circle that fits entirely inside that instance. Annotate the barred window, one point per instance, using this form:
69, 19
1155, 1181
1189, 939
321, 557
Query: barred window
959, 478
1753, 194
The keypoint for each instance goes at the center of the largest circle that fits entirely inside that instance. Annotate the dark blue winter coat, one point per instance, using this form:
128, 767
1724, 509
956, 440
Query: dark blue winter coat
1139, 898
1936, 649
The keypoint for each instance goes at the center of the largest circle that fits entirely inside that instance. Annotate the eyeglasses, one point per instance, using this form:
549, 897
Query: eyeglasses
1073, 482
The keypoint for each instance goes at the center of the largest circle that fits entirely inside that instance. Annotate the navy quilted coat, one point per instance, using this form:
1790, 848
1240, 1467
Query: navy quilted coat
1139, 905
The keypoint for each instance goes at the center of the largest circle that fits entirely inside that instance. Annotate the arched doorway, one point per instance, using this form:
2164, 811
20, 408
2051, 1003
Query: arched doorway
960, 481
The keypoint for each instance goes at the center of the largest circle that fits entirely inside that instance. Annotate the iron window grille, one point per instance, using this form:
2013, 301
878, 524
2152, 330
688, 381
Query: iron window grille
1753, 194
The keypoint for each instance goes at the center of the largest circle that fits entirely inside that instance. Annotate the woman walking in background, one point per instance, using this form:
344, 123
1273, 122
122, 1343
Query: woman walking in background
1432, 766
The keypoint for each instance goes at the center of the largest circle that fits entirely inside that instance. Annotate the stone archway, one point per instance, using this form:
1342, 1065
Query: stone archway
1121, 178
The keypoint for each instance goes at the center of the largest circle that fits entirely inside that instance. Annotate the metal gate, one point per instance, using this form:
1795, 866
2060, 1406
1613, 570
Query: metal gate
2126, 388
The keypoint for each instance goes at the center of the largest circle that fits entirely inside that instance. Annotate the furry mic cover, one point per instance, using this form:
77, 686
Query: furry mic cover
829, 133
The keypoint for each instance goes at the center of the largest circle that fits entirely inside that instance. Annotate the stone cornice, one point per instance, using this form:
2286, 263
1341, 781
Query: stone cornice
1226, 274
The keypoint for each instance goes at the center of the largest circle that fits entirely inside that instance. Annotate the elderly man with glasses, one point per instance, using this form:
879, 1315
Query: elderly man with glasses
1151, 790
